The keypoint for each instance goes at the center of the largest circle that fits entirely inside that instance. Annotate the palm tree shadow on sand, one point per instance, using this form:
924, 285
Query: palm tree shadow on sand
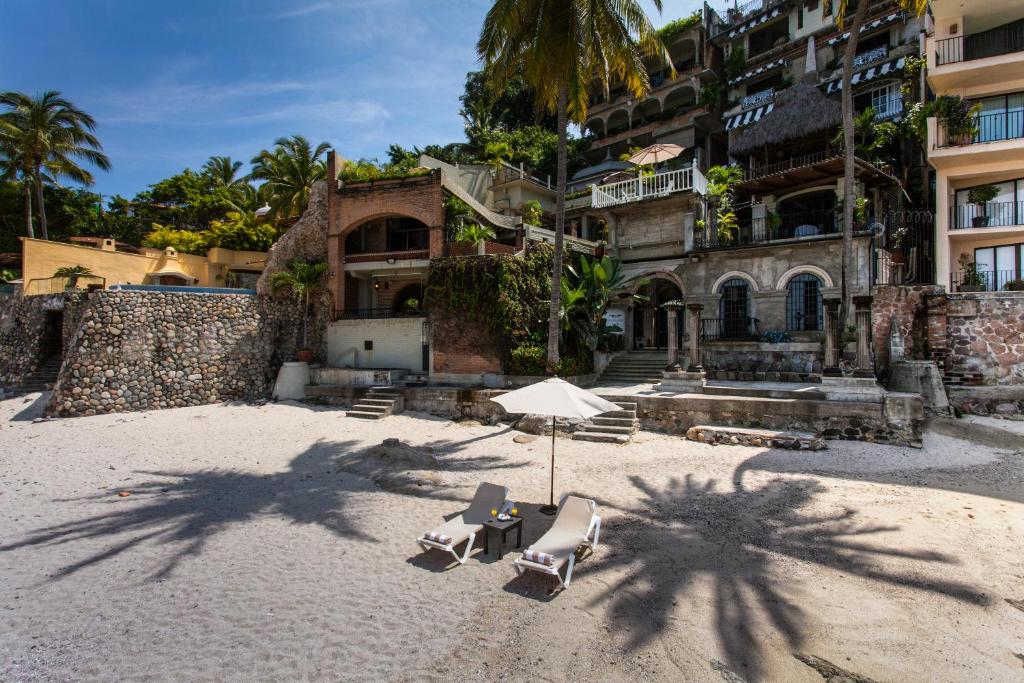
183, 510
690, 530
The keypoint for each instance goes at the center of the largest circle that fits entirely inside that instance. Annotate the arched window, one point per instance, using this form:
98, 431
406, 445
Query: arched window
409, 300
734, 309
803, 303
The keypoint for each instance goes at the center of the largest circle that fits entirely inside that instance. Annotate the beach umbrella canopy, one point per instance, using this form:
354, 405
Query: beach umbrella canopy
557, 398
655, 154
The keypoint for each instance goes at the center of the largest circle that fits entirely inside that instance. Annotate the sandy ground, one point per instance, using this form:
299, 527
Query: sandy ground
248, 549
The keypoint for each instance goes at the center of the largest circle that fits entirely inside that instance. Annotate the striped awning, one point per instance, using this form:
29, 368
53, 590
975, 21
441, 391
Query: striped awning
748, 117
756, 21
865, 75
868, 27
764, 68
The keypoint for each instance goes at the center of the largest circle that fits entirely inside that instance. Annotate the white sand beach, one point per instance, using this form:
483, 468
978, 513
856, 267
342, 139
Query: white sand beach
256, 544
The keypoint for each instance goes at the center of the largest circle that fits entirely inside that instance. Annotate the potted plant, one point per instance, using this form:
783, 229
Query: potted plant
1014, 286
304, 278
972, 280
981, 196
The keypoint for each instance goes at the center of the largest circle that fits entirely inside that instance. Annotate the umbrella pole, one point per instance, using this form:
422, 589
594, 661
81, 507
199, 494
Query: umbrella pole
550, 508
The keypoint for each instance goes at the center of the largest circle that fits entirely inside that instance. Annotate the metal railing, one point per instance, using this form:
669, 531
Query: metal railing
758, 98
991, 127
58, 284
1001, 40
991, 215
373, 257
765, 170
871, 56
740, 328
649, 186
739, 13
984, 280
371, 313
777, 227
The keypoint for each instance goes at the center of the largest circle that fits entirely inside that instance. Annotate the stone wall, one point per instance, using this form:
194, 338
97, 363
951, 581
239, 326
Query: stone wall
149, 350
306, 240
904, 305
23, 334
757, 361
985, 333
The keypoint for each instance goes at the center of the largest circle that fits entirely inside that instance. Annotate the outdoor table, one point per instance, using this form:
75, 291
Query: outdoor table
504, 527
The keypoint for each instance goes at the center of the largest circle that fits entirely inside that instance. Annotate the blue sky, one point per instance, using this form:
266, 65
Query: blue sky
172, 83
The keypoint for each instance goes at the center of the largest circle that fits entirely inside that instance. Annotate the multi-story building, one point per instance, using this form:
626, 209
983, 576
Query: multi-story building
763, 95
975, 51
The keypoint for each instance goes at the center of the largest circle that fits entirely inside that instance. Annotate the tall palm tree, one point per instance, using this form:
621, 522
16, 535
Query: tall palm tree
918, 7
304, 279
561, 49
224, 171
290, 171
53, 135
13, 168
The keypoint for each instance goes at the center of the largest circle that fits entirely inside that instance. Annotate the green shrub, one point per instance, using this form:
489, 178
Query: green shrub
184, 241
532, 212
528, 359
571, 366
676, 27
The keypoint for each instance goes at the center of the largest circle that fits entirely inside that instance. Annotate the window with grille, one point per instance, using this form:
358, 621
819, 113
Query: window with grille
735, 309
803, 303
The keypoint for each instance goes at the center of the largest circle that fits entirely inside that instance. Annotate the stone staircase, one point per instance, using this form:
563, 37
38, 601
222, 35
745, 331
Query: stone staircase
378, 403
43, 379
615, 426
635, 367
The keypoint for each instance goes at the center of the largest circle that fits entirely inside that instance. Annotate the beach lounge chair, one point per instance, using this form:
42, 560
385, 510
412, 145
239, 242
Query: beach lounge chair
574, 525
465, 527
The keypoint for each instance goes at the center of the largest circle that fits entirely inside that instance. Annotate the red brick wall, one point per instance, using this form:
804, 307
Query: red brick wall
463, 346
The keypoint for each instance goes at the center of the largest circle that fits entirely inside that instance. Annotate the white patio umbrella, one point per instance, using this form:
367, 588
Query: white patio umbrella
655, 154
557, 398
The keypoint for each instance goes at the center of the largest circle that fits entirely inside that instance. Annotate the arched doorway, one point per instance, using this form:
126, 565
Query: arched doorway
409, 300
650, 319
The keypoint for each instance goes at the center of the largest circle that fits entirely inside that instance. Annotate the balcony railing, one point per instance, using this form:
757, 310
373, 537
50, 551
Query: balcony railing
765, 170
871, 56
388, 256
991, 127
991, 215
1001, 40
757, 99
986, 280
783, 226
740, 328
372, 313
662, 184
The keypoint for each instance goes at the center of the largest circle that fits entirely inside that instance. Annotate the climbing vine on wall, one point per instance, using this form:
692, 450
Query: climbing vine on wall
510, 294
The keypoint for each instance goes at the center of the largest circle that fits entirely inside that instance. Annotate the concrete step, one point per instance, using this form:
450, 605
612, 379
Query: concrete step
614, 421
363, 415
374, 401
619, 414
765, 392
368, 408
760, 438
600, 437
609, 429
625, 405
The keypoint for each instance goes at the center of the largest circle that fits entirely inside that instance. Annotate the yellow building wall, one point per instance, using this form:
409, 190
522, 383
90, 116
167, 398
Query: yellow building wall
41, 259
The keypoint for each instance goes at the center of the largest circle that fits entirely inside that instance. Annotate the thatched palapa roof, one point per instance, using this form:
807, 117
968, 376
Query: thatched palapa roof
800, 110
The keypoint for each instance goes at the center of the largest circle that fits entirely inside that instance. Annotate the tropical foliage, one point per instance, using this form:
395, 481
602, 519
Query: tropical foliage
560, 49
679, 26
289, 171
44, 140
304, 279
586, 291
474, 234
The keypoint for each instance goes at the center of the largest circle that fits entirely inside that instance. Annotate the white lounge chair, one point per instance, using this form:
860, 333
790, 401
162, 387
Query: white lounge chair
465, 527
574, 525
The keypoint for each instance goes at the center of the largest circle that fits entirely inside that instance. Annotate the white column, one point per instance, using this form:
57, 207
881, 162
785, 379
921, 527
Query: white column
943, 256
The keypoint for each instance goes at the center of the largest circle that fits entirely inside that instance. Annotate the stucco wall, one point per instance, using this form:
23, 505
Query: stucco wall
148, 350
397, 343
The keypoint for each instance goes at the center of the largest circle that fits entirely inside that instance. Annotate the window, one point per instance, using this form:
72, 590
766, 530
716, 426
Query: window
800, 16
1007, 208
1000, 118
803, 303
998, 265
735, 309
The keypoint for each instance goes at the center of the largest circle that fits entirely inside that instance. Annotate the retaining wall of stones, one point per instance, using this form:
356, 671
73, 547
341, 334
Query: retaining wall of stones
149, 350
23, 334
985, 333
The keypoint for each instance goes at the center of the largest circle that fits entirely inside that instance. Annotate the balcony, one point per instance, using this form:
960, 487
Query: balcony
409, 258
871, 56
757, 99
648, 187
788, 226
995, 141
976, 59
378, 313
986, 281
987, 217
